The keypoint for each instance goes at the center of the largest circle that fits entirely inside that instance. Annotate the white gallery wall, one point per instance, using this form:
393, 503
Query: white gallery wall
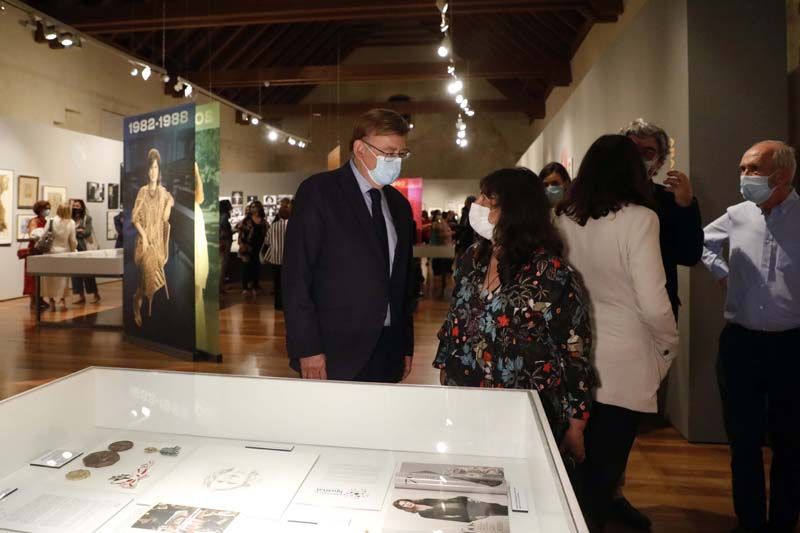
644, 73
58, 157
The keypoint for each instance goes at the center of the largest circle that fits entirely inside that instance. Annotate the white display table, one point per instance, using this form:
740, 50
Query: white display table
329, 433
107, 263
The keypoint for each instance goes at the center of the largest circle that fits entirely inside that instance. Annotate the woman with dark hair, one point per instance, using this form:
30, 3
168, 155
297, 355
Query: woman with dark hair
252, 232
457, 509
611, 233
84, 230
150, 217
519, 317
42, 210
556, 181
225, 240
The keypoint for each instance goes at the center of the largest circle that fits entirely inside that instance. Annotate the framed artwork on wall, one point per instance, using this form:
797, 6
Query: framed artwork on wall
55, 195
251, 199
27, 191
6, 207
22, 227
113, 196
111, 231
95, 192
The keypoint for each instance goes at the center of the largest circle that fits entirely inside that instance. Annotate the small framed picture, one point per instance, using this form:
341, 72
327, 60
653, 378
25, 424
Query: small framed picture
95, 192
111, 231
113, 196
237, 198
251, 199
22, 227
27, 191
55, 195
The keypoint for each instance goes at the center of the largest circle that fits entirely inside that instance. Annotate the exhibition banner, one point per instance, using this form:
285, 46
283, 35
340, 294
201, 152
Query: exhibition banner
411, 188
159, 187
206, 226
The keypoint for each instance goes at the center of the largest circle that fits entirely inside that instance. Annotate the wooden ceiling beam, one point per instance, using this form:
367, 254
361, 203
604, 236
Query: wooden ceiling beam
146, 16
534, 108
558, 72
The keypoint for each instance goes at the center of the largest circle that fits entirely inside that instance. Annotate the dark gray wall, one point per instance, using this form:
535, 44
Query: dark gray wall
737, 96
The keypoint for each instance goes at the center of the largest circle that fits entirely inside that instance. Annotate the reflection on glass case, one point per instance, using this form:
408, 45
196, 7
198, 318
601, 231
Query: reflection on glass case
169, 451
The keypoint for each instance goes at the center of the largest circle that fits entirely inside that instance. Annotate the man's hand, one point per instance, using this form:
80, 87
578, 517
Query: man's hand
407, 366
572, 442
678, 184
313, 367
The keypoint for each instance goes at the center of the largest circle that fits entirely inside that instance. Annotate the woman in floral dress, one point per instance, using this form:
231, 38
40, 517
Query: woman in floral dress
519, 316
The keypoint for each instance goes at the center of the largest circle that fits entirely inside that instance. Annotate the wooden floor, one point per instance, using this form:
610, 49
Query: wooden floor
682, 487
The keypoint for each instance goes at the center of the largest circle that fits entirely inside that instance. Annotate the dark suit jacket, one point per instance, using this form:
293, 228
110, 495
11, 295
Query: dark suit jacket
681, 238
336, 286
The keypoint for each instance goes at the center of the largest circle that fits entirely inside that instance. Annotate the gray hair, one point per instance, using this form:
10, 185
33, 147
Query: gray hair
784, 156
642, 129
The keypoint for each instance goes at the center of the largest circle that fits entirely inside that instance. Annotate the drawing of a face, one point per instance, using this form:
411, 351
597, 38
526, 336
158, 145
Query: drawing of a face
230, 479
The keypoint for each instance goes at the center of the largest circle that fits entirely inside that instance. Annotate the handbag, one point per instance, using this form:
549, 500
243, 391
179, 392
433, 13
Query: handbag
45, 242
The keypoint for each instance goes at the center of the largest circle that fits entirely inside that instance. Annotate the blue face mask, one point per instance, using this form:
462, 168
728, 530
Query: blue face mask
555, 193
756, 188
385, 172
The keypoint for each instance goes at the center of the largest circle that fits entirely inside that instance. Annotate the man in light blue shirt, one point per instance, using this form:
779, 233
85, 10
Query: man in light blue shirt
759, 349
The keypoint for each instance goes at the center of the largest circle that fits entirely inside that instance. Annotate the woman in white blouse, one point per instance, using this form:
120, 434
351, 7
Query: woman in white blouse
611, 238
55, 287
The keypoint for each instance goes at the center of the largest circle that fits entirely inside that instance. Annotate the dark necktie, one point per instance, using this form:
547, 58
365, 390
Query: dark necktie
379, 223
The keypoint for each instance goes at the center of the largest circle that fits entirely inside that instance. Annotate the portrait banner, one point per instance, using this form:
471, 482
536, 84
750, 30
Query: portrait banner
206, 242
159, 231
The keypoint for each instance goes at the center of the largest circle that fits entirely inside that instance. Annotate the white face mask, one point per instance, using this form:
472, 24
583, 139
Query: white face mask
385, 172
651, 167
479, 220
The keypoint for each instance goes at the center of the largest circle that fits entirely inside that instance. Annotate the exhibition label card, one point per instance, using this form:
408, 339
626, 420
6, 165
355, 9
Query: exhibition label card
348, 479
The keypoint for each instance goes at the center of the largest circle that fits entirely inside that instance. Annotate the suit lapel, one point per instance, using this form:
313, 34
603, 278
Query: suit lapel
349, 186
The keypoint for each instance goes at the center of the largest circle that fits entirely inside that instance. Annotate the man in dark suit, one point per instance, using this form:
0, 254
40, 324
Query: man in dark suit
347, 276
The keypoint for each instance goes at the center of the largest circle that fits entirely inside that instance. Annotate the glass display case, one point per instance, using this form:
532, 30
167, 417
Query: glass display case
130, 450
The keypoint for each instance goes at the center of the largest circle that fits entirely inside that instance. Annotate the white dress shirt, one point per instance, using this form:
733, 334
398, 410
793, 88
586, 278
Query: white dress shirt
619, 258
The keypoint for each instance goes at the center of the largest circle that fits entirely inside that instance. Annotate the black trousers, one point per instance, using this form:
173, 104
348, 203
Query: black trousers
250, 272
608, 438
386, 363
758, 381
276, 285
81, 286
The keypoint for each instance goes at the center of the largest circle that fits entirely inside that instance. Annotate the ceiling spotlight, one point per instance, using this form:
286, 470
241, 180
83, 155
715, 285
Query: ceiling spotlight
301, 144
464, 143
254, 121
134, 71
458, 141
470, 113
455, 86
272, 135
444, 48
178, 86
292, 141
50, 33
411, 125
165, 77
461, 134
146, 71
187, 91
245, 116
267, 84
464, 103
451, 69
66, 40
444, 26
461, 126
459, 98
442, 6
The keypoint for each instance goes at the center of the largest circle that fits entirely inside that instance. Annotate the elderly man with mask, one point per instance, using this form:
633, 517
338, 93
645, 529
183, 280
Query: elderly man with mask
759, 358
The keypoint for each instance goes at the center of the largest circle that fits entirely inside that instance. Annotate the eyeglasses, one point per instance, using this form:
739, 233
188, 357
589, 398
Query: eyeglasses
402, 154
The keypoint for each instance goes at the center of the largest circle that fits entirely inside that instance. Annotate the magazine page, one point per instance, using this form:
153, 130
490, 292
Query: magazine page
454, 478
448, 512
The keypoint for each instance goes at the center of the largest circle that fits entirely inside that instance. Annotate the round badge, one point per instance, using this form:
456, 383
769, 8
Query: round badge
101, 459
120, 446
77, 475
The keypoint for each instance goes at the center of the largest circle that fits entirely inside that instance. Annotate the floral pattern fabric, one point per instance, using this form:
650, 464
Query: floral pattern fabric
533, 332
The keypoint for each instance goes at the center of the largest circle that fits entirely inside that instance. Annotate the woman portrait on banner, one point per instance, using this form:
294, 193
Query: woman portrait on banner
150, 217
84, 230
200, 257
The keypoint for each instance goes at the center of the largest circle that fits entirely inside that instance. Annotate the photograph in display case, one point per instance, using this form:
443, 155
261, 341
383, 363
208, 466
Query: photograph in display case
22, 227
260, 483
55, 195
113, 196
6, 207
95, 192
27, 191
185, 519
460, 478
